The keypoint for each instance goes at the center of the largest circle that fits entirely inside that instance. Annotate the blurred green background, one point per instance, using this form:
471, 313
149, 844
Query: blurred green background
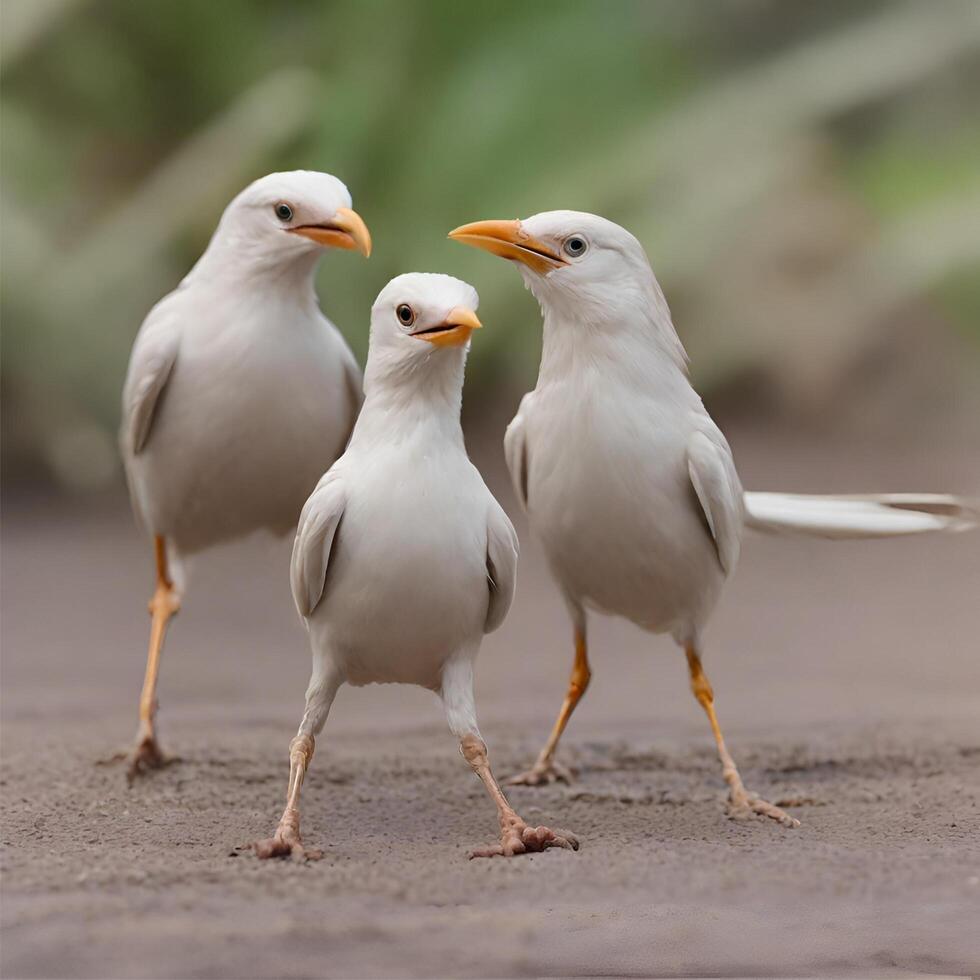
805, 177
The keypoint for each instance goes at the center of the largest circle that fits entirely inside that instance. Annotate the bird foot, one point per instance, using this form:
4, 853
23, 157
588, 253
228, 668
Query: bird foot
518, 838
285, 843
146, 756
743, 805
541, 774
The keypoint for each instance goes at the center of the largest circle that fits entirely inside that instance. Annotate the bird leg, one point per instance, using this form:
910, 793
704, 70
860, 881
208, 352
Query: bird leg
742, 804
545, 769
516, 837
286, 841
164, 604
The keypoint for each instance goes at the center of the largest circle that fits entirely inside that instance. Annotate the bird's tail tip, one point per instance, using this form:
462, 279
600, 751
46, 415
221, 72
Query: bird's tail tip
861, 515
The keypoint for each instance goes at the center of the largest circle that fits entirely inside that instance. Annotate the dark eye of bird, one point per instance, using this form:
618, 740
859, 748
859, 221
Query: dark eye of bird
575, 246
284, 211
406, 314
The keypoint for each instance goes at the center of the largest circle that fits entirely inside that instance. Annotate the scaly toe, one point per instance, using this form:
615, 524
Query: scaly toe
146, 756
566, 839
510, 849
283, 847
527, 840
542, 776
541, 838
749, 807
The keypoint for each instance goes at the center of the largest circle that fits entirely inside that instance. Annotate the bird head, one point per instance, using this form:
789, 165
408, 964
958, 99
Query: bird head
592, 279
291, 214
421, 325
574, 262
421, 312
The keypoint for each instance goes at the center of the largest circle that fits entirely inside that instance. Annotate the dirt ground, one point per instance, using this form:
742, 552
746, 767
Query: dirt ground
847, 676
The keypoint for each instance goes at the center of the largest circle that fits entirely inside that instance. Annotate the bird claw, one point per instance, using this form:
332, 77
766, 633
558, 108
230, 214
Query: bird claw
747, 806
521, 839
542, 774
285, 844
146, 756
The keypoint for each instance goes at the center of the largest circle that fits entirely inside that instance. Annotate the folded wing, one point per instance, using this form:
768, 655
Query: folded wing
150, 366
502, 549
315, 536
712, 472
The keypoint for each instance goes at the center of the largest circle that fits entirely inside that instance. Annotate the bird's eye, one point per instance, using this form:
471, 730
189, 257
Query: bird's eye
405, 314
575, 246
284, 212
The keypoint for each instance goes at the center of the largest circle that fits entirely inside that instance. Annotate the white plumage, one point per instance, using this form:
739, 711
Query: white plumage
625, 478
239, 390
403, 559
880, 515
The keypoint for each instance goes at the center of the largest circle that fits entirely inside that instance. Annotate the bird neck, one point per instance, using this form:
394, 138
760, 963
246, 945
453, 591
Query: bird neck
248, 266
633, 344
403, 396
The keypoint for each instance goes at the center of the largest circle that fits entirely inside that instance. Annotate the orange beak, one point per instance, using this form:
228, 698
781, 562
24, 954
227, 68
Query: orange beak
510, 241
345, 230
454, 331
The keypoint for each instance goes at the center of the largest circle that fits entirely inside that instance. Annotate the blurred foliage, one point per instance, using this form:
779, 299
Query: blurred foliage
784, 162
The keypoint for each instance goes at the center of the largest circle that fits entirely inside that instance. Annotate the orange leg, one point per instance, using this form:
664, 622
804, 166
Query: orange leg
545, 769
164, 604
741, 803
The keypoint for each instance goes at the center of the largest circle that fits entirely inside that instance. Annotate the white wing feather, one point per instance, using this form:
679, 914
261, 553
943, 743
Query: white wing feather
715, 483
150, 366
502, 548
861, 516
315, 535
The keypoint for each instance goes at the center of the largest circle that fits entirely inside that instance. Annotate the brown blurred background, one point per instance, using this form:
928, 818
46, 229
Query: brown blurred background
805, 177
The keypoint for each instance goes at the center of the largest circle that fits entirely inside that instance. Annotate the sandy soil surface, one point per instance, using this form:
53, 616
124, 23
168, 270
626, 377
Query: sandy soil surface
848, 680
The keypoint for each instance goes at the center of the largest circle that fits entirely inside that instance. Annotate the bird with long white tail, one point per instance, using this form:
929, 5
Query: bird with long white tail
403, 559
625, 478
239, 392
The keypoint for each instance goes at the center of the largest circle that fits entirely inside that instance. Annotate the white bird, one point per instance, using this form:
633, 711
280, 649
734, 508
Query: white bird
403, 559
239, 393
625, 478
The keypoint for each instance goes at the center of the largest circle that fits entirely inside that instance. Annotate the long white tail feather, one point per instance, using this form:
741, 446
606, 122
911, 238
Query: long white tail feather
882, 515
